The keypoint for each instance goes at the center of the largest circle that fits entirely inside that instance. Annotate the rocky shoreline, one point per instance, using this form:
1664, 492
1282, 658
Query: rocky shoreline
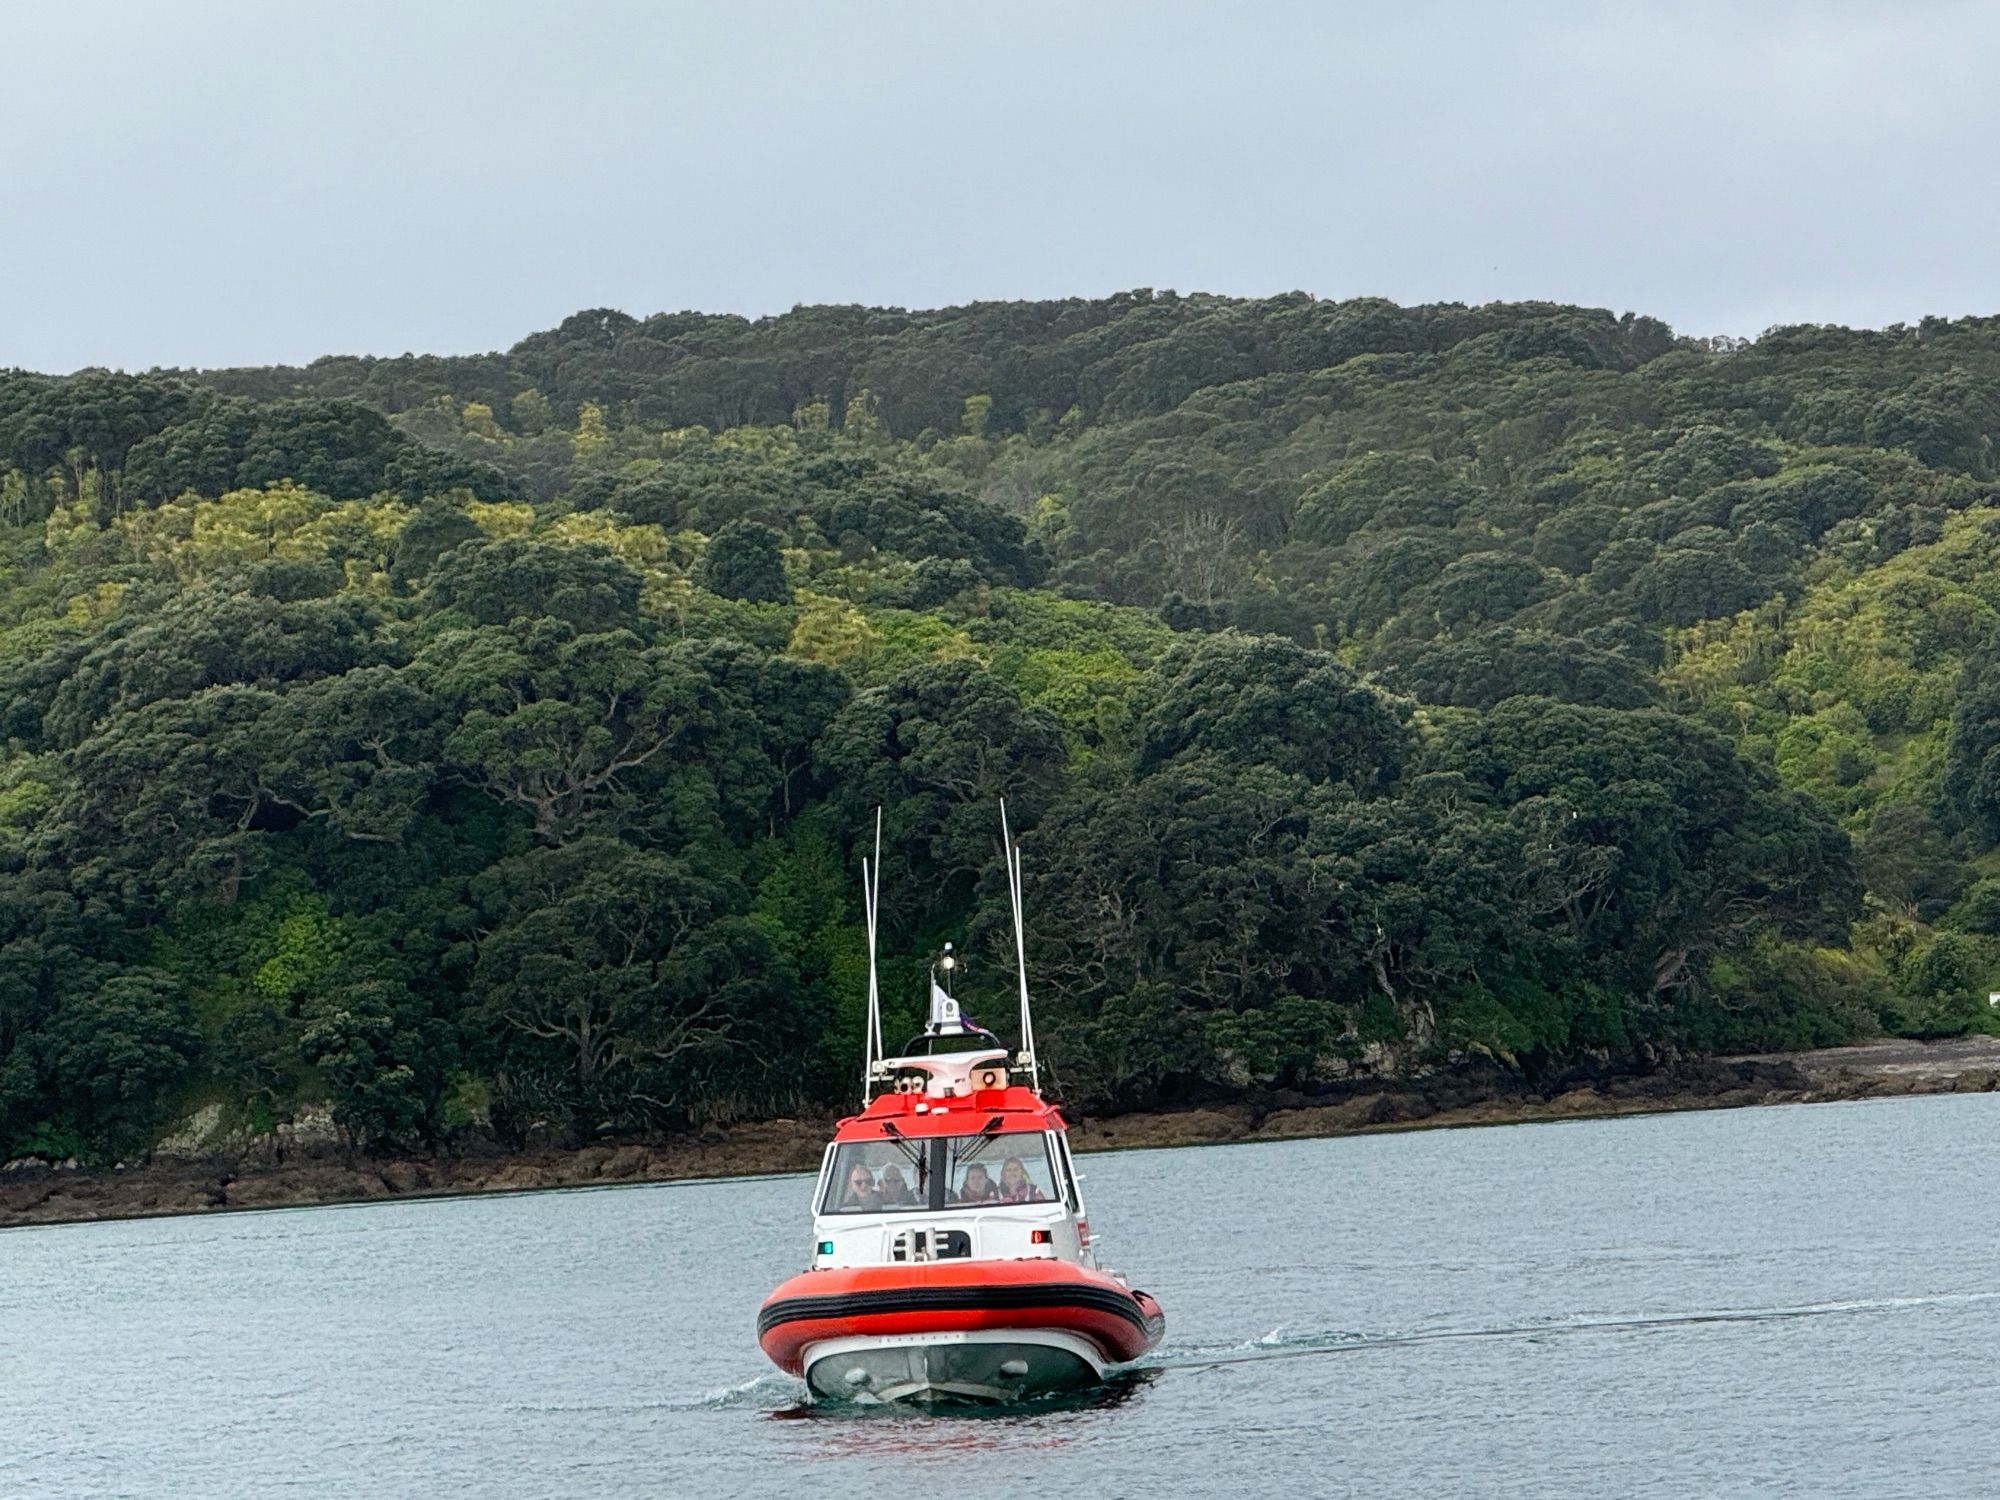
36, 1193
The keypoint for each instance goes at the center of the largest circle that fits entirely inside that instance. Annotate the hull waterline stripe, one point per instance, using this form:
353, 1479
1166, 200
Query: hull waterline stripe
1001, 1298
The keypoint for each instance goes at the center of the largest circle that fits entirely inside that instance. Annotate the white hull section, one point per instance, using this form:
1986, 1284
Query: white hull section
988, 1364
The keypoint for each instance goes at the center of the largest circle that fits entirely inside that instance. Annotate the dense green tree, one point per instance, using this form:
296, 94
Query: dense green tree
1187, 884
1481, 670
1906, 862
1383, 490
340, 448
795, 701
1483, 588
558, 723
858, 501
359, 750
936, 749
205, 638
1379, 576
1572, 537
385, 1057
625, 967
52, 956
175, 795
1946, 983
1675, 845
743, 561
1695, 578
89, 424
1945, 420
433, 531
1972, 763
1979, 910
116, 1049
1271, 701
1705, 456
515, 578
1424, 905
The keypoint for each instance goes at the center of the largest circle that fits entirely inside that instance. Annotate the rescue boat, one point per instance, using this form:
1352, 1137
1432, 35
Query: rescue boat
952, 1258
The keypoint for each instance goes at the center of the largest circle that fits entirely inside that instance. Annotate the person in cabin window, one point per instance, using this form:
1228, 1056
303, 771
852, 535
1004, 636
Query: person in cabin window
1015, 1186
860, 1195
978, 1186
893, 1189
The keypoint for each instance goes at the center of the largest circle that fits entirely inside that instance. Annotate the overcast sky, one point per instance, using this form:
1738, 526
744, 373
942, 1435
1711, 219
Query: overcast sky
200, 183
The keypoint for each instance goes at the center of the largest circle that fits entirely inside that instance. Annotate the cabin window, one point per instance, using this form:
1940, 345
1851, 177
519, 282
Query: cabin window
941, 1172
1059, 1149
879, 1177
998, 1168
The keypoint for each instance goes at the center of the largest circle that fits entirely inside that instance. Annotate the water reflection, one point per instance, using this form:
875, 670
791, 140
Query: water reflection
932, 1424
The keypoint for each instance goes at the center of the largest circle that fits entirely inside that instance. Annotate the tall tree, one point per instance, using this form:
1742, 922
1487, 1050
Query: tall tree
744, 561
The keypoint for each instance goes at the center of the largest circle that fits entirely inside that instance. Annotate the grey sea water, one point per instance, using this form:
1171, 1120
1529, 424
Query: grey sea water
1790, 1301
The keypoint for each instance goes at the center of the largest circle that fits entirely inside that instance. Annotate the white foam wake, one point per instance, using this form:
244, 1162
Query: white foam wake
1277, 1344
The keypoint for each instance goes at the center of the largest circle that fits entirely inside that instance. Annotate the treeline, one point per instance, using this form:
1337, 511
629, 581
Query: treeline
490, 740
908, 373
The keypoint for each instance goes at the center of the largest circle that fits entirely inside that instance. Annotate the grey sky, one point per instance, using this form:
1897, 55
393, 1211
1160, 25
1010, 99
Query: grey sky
205, 183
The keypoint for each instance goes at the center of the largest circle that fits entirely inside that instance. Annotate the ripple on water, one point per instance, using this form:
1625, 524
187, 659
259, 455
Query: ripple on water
1773, 1302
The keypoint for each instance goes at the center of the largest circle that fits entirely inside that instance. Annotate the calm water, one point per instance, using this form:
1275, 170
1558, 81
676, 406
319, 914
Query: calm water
1798, 1301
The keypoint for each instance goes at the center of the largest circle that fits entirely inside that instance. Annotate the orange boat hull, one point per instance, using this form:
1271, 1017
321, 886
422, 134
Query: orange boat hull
956, 1297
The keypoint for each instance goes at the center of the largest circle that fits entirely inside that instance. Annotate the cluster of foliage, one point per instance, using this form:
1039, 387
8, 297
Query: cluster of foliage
493, 738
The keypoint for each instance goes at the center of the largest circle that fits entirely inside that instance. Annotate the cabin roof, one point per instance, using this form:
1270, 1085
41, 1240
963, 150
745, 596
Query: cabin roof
1018, 1109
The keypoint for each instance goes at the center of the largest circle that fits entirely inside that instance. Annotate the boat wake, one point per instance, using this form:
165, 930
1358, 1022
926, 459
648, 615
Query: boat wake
766, 1391
786, 1398
1280, 1344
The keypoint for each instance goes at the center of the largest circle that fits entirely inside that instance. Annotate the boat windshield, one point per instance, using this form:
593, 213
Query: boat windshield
879, 1177
940, 1172
997, 1169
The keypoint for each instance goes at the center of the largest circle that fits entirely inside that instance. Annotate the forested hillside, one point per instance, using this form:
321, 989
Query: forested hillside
491, 739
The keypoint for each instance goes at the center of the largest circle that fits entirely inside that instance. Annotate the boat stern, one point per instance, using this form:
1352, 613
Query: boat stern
988, 1365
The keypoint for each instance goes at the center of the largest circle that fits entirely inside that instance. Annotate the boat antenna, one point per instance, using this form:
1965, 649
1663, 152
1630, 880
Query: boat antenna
871, 901
1012, 855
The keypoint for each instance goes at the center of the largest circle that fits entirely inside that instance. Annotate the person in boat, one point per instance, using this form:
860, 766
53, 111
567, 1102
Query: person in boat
978, 1185
1014, 1184
860, 1194
893, 1189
